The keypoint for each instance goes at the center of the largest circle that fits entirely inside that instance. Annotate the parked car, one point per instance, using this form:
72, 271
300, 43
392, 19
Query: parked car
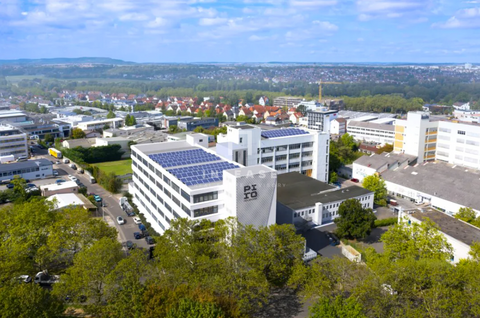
130, 213
97, 198
73, 166
59, 181
73, 178
149, 240
120, 220
58, 162
355, 180
81, 171
55, 173
137, 220
130, 245
10, 186
137, 235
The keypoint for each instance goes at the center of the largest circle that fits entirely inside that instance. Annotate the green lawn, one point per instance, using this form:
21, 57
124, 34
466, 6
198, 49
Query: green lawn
119, 167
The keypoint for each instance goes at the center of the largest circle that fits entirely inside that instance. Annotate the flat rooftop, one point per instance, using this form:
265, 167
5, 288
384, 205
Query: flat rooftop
297, 191
446, 181
193, 166
59, 186
7, 167
377, 161
449, 225
371, 125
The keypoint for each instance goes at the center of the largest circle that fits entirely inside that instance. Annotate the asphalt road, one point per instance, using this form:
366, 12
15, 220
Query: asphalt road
112, 208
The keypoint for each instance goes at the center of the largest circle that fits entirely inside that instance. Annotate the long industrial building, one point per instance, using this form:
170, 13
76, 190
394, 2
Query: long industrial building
285, 150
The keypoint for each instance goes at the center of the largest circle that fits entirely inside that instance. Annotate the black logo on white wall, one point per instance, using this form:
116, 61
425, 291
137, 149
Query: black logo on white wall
250, 192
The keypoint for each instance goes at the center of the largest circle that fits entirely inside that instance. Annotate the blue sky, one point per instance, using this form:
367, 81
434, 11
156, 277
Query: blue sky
243, 30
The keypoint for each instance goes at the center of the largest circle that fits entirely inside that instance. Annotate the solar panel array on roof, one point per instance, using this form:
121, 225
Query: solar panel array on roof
184, 157
202, 173
283, 133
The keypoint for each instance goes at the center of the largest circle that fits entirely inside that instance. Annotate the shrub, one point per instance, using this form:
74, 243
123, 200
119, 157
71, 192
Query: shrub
386, 222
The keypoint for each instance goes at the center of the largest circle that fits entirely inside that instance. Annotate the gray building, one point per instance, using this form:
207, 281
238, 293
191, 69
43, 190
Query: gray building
29, 170
191, 124
301, 199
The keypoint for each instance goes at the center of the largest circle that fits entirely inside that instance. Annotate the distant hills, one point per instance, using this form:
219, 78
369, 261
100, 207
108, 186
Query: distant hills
64, 60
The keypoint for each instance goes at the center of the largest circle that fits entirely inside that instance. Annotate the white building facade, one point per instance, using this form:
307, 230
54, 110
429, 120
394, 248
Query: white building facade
181, 180
371, 132
12, 142
285, 150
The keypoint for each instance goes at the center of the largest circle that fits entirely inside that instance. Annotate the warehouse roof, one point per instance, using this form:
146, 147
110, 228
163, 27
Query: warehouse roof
449, 182
377, 161
298, 191
449, 225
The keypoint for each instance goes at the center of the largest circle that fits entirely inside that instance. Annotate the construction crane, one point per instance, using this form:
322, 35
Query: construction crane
320, 88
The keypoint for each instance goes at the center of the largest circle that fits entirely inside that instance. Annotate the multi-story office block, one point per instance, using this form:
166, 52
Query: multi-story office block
371, 132
12, 142
452, 142
182, 180
320, 119
285, 150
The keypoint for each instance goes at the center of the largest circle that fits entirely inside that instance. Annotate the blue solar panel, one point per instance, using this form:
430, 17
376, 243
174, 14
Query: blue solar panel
184, 157
201, 174
283, 133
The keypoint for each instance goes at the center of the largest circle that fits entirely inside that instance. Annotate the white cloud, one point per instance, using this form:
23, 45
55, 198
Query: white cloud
158, 22
325, 25
312, 3
134, 17
373, 9
463, 19
212, 21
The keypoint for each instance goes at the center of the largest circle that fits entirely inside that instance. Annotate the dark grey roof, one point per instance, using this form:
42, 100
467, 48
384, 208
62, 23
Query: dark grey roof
241, 126
377, 161
24, 165
366, 124
452, 183
298, 191
449, 225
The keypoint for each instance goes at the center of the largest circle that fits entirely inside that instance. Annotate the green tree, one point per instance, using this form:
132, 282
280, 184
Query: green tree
48, 137
188, 308
242, 118
77, 133
466, 214
111, 114
348, 141
173, 129
385, 148
353, 220
333, 177
199, 129
416, 240
302, 109
88, 274
124, 287
337, 308
28, 300
377, 185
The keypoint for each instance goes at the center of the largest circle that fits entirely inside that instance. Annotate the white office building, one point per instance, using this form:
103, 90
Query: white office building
305, 200
367, 131
452, 142
320, 119
100, 124
184, 180
28, 170
285, 150
12, 142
